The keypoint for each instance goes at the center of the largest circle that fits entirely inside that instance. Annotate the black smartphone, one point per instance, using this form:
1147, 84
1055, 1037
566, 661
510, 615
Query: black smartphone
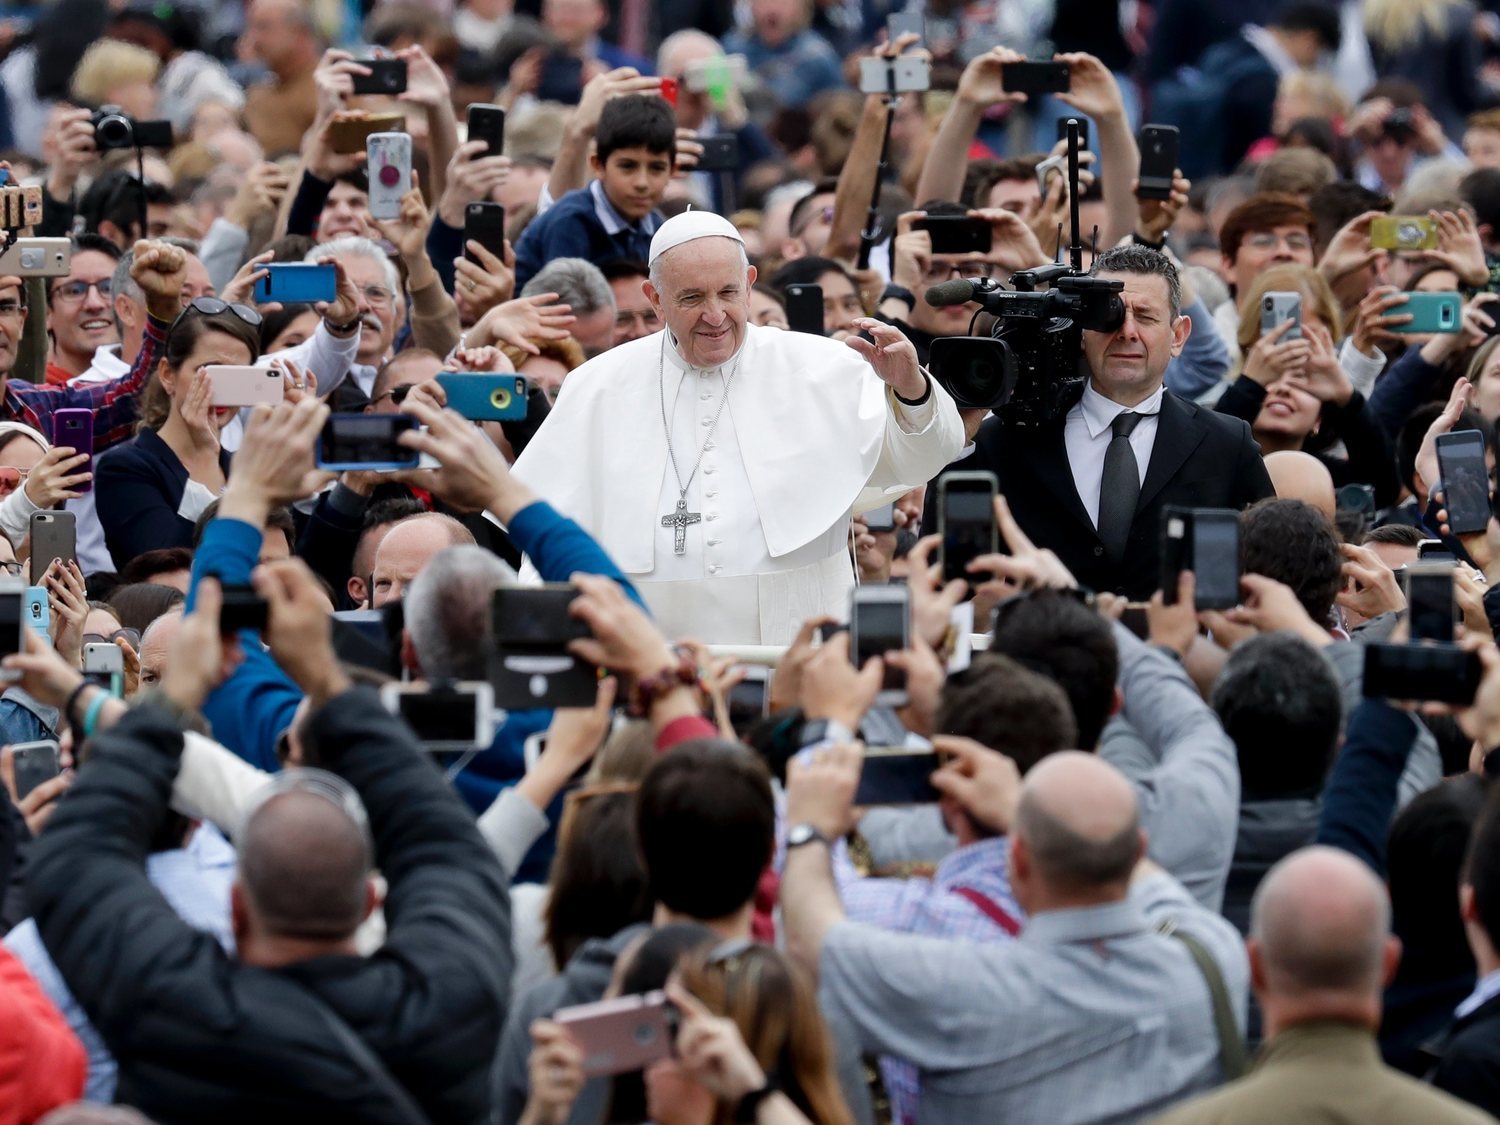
1035, 77
804, 308
750, 699
720, 154
387, 76
34, 763
1158, 144
880, 622
243, 608
1435, 550
897, 776
366, 441
956, 234
561, 81
1441, 673
535, 618
12, 625
487, 124
1083, 130
1430, 601
485, 224
966, 521
1207, 542
1466, 480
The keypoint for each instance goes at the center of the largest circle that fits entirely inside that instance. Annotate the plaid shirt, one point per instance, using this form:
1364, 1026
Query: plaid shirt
933, 908
113, 403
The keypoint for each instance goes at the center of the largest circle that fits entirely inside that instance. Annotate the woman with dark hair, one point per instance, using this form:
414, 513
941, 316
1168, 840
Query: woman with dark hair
137, 604
286, 327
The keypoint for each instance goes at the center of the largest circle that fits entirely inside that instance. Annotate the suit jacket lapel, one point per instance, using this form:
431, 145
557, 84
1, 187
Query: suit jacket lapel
1179, 431
1049, 454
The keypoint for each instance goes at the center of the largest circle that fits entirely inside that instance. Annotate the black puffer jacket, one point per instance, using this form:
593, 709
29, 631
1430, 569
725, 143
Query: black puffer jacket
200, 1037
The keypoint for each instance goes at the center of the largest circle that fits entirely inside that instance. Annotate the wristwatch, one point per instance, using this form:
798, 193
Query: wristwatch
342, 329
799, 834
823, 730
900, 293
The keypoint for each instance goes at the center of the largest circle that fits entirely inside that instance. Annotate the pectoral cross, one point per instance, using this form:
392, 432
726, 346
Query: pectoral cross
680, 520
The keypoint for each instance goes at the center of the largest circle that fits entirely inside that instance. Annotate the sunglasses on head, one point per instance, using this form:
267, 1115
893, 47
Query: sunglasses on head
130, 635
213, 306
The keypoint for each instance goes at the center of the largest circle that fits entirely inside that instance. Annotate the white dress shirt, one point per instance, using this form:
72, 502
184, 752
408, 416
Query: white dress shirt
1086, 435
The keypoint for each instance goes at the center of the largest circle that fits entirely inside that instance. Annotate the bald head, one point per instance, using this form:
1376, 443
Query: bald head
304, 866
1301, 476
408, 547
1321, 919
1079, 822
683, 47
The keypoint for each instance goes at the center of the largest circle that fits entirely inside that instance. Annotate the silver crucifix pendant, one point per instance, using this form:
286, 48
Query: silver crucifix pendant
680, 520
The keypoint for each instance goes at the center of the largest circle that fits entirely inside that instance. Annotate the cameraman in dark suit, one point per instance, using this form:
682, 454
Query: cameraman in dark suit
1092, 485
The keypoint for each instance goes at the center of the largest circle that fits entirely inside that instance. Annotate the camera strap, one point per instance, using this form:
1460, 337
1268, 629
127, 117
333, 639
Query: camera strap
1234, 1059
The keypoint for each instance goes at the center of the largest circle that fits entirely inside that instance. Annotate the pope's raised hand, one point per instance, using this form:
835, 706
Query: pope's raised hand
892, 356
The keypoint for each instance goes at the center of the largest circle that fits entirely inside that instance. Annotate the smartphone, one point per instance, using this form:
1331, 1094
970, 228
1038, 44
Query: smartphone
898, 24
1083, 130
1035, 77
956, 234
104, 664
38, 611
1404, 232
908, 74
880, 622
389, 159
1277, 307
1435, 550
1045, 168
715, 76
38, 257
350, 133
1135, 618
445, 717
12, 624
1430, 312
536, 617
487, 124
804, 309
750, 699
242, 608
297, 283
366, 441
896, 775
1158, 145
880, 519
74, 427
1465, 479
621, 1035
54, 535
233, 385
561, 80
966, 520
1430, 601
34, 763
720, 154
1207, 542
485, 224
486, 397
387, 76
1441, 673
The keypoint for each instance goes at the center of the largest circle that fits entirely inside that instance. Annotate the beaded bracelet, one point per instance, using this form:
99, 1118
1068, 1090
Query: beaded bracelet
649, 689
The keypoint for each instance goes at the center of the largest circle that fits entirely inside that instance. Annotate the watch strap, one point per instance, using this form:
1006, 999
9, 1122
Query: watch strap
899, 293
749, 1105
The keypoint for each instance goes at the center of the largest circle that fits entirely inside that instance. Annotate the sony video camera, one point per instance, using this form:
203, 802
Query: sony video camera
1030, 367
114, 128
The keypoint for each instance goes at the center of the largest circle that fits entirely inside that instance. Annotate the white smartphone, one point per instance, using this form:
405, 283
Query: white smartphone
38, 257
104, 664
880, 622
389, 158
912, 74
235, 385
445, 717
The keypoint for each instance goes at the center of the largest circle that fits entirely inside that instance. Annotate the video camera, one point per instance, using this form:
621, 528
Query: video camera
1030, 367
114, 128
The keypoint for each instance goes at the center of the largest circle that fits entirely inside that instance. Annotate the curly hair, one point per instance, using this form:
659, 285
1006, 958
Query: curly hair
1295, 544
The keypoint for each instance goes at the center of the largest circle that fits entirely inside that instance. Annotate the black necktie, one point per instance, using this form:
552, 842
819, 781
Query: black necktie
1120, 486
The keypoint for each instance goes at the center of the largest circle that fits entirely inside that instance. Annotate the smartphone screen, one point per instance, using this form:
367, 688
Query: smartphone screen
1035, 77
12, 611
1466, 480
440, 716
900, 778
1216, 560
536, 617
1429, 601
1158, 144
967, 523
879, 626
804, 308
366, 439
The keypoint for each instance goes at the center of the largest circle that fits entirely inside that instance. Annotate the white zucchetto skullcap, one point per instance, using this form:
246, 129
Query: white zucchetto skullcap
688, 226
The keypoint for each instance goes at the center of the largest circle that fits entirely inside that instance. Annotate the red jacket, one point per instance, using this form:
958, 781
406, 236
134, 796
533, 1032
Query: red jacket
42, 1064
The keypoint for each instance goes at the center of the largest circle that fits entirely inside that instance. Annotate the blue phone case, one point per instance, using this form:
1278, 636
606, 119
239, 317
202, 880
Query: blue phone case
38, 610
486, 397
297, 283
1430, 312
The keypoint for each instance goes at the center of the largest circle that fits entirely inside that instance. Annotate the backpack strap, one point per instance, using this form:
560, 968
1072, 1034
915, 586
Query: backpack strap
1234, 1059
991, 909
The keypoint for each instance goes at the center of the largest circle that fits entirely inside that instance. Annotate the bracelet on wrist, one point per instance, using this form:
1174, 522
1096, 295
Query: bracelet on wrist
748, 1107
649, 689
69, 711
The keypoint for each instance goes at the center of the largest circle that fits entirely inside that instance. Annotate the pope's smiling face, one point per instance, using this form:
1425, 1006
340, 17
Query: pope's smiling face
701, 291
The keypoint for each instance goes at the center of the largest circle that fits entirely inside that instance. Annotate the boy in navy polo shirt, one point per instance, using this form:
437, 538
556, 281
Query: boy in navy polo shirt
615, 216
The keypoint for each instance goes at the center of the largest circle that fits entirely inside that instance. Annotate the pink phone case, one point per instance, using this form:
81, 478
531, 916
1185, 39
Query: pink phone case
245, 386
618, 1036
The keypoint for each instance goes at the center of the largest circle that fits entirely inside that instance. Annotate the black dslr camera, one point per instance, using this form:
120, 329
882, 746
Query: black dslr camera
1030, 367
114, 128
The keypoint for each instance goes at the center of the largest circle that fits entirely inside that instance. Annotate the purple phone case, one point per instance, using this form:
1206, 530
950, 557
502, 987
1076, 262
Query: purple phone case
75, 426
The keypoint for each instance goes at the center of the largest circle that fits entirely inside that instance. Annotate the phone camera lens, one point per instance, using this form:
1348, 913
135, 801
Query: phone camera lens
1270, 304
644, 1033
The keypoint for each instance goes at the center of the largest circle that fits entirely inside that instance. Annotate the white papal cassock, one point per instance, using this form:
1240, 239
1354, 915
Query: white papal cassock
809, 436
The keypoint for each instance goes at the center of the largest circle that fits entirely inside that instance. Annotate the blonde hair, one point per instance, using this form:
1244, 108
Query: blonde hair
1317, 300
110, 63
566, 351
1320, 89
1397, 24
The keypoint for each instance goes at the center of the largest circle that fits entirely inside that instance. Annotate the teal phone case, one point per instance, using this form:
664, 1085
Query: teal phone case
486, 397
1430, 312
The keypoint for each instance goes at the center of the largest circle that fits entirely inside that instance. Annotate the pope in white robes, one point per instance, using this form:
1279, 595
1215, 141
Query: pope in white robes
719, 463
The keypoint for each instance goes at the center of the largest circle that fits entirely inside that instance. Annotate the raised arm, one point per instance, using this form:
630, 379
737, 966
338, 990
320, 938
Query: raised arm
980, 87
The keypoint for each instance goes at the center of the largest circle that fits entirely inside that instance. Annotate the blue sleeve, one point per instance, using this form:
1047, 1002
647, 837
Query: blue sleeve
251, 708
1204, 361
558, 547
444, 244
1360, 797
1406, 385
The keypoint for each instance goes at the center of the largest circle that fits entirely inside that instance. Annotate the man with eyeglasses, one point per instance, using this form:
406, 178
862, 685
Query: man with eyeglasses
381, 311
1268, 229
79, 317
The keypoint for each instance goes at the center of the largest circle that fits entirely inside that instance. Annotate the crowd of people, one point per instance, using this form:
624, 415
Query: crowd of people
1082, 839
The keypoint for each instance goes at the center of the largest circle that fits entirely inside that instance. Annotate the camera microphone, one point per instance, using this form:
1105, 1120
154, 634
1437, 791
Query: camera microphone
959, 291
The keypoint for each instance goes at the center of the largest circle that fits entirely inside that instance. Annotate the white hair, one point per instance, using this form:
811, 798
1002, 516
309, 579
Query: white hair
448, 612
687, 37
360, 248
655, 268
